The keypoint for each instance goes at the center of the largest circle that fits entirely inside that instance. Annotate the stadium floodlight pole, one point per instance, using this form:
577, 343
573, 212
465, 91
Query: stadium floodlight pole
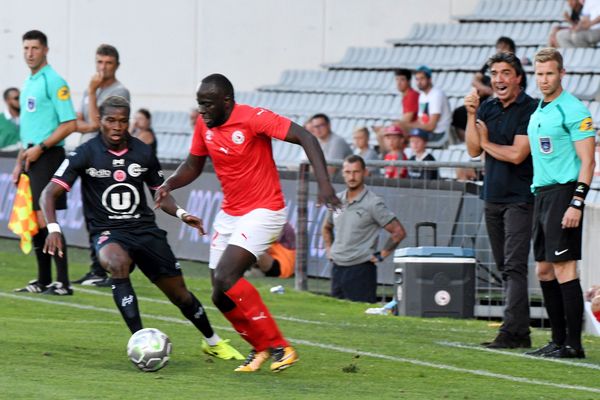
300, 280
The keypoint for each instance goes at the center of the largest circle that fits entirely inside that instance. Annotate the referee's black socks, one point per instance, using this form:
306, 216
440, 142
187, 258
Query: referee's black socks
573, 303
553, 300
126, 302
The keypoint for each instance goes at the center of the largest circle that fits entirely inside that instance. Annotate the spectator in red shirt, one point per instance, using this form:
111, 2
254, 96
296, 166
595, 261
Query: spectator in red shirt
237, 138
395, 139
410, 97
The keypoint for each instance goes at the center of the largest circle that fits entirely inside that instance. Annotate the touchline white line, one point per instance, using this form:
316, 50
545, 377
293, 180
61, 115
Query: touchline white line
331, 347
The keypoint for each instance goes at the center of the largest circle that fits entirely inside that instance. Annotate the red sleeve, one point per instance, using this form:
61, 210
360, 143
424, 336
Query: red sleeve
269, 123
410, 102
198, 147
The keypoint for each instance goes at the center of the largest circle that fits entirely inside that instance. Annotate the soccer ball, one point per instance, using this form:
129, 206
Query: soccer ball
149, 349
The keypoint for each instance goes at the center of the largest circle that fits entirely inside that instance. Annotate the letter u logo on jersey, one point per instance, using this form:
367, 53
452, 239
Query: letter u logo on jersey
120, 201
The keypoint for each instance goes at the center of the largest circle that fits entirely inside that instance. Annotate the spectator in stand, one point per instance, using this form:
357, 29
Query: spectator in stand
571, 20
334, 146
360, 137
434, 110
395, 141
280, 258
9, 120
142, 128
586, 33
418, 144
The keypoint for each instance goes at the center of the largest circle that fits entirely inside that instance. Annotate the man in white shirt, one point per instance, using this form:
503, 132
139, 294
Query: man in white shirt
586, 33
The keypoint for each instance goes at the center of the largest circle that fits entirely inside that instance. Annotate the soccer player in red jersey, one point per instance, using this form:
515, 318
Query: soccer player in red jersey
237, 138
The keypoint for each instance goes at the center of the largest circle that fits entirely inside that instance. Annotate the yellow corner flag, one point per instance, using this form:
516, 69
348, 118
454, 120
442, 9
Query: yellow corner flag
23, 221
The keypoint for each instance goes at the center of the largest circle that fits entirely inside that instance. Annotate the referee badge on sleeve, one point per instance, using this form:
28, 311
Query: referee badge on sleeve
63, 93
545, 145
586, 125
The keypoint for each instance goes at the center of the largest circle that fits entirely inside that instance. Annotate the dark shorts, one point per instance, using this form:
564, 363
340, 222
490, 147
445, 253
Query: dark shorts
551, 242
355, 282
148, 248
40, 173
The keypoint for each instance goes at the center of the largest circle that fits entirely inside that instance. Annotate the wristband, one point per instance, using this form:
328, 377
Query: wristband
43, 147
53, 227
577, 204
581, 189
378, 256
180, 213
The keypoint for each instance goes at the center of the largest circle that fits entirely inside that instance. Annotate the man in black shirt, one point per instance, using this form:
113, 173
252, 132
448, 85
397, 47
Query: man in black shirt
499, 128
114, 167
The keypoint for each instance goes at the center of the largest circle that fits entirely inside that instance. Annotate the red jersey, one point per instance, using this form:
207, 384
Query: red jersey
410, 103
395, 172
241, 153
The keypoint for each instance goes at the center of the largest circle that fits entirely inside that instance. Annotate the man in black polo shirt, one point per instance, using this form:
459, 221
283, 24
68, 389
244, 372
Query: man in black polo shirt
499, 128
114, 167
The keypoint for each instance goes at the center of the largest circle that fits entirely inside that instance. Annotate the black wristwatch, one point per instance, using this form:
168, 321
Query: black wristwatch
378, 256
43, 147
577, 203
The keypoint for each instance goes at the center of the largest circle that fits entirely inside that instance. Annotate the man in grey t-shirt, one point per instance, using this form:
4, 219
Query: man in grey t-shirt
350, 236
104, 84
334, 147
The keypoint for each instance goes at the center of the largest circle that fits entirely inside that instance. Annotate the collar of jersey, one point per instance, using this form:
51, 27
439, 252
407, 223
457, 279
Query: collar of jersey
358, 198
39, 73
550, 105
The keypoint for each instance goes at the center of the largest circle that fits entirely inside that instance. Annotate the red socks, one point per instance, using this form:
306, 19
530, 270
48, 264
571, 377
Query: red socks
251, 318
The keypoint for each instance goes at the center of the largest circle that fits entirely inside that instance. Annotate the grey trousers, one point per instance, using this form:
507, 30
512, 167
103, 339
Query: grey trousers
509, 231
569, 38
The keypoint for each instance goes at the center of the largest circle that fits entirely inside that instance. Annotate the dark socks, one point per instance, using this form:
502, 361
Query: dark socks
197, 316
44, 260
553, 299
62, 265
126, 302
275, 269
572, 296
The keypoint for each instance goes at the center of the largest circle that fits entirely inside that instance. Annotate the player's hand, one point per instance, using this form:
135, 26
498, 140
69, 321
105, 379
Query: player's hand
16, 173
328, 198
54, 244
194, 222
472, 102
31, 155
162, 192
571, 218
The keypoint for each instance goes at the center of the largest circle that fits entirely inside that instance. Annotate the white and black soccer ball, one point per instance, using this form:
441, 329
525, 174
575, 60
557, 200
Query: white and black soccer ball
149, 349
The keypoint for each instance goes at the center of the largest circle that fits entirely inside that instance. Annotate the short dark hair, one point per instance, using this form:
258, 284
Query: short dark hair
407, 73
512, 60
7, 92
36, 35
114, 102
321, 115
145, 113
221, 82
507, 41
354, 158
108, 50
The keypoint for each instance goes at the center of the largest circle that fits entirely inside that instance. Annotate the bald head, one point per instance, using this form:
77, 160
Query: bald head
215, 100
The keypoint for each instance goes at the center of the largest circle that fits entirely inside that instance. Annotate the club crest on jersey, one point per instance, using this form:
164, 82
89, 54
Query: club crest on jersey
119, 175
31, 104
136, 170
119, 162
208, 135
238, 137
546, 145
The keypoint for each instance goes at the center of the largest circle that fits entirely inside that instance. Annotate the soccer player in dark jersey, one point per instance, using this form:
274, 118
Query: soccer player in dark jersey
113, 168
237, 138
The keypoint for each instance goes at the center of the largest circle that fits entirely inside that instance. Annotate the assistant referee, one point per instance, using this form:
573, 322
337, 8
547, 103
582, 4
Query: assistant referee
561, 136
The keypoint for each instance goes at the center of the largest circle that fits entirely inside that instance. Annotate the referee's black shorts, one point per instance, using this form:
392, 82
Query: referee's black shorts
41, 171
147, 247
551, 242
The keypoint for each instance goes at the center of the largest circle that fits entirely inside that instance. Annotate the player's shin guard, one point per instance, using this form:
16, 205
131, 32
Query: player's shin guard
262, 330
44, 260
555, 309
573, 302
197, 316
126, 302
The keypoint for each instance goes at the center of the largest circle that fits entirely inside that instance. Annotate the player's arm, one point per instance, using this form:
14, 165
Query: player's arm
54, 243
515, 153
472, 139
62, 131
169, 206
298, 135
397, 235
327, 233
185, 174
585, 149
94, 115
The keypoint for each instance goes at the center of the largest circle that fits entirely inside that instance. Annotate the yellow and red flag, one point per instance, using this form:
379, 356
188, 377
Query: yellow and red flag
23, 221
